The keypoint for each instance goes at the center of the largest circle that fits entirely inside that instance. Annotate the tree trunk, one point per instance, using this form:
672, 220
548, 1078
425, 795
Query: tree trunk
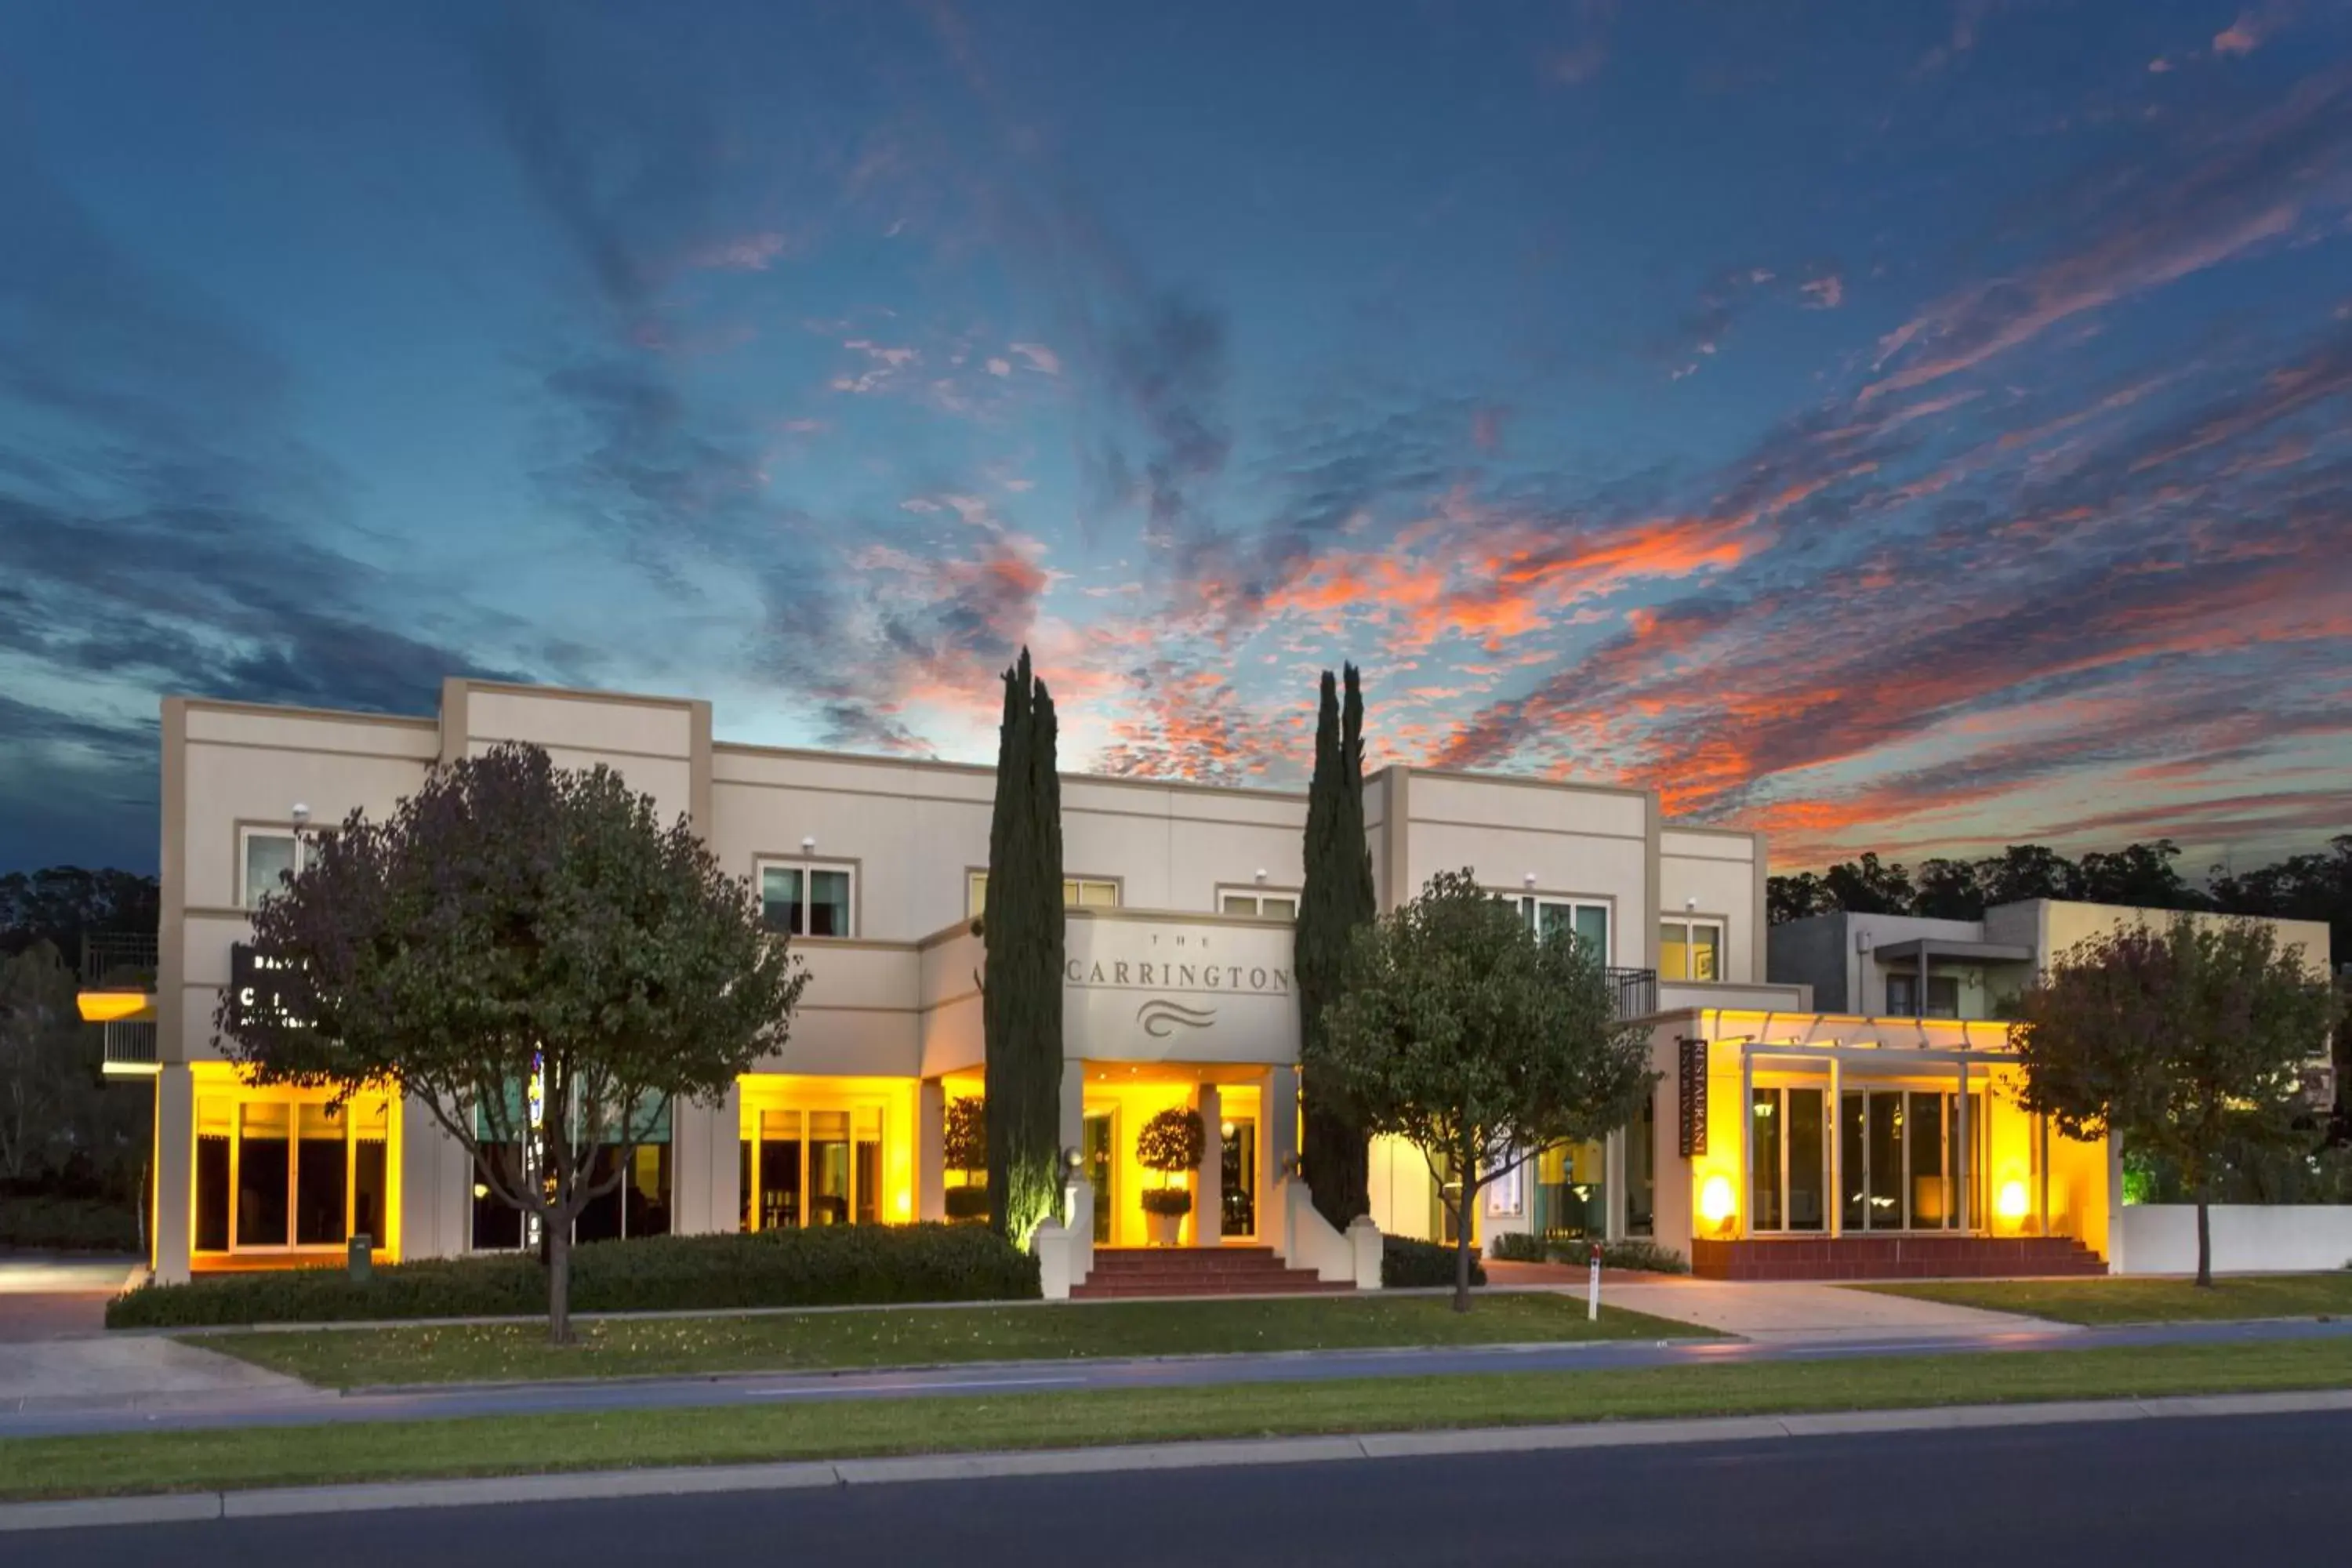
2204, 1241
1462, 1248
559, 1280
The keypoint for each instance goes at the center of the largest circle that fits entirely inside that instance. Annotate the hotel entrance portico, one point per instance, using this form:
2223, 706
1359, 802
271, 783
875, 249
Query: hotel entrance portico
1815, 1146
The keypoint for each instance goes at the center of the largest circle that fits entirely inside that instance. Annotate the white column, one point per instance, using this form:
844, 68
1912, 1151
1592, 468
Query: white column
1744, 1202
930, 1141
1208, 1183
175, 1155
1961, 1156
1834, 1159
705, 1197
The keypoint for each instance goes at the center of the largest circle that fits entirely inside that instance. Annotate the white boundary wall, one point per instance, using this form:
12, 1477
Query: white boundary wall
2161, 1239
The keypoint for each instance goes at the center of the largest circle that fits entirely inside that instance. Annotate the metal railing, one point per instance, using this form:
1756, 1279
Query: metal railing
118, 960
131, 1048
1637, 992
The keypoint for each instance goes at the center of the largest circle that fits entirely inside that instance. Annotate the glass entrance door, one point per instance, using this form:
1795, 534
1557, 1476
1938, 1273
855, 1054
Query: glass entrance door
1102, 1164
1238, 1178
1899, 1152
1787, 1160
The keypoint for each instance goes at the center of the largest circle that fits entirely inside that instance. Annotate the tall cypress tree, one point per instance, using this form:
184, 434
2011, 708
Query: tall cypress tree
1021, 924
1337, 898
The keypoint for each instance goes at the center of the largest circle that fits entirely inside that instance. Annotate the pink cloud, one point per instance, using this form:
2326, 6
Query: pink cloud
2242, 36
1824, 293
1041, 359
751, 253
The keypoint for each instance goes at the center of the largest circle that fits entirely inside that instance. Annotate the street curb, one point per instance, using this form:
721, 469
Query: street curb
591, 1484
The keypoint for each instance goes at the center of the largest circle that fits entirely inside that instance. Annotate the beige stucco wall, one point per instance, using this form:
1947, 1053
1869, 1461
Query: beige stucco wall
1706, 873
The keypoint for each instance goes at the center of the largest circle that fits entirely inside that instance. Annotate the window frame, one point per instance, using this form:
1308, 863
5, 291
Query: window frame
1259, 893
806, 865
976, 876
348, 1116
1719, 924
304, 844
1530, 903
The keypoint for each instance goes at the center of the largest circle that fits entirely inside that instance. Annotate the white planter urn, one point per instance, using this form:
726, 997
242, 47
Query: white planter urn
1163, 1229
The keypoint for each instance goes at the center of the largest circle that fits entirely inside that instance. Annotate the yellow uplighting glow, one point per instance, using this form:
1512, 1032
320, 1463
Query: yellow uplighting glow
112, 1007
2011, 1204
1715, 1200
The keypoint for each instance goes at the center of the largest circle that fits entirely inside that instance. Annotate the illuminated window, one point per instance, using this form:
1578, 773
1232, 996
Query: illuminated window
1265, 903
808, 899
1690, 950
275, 1171
1078, 892
810, 1165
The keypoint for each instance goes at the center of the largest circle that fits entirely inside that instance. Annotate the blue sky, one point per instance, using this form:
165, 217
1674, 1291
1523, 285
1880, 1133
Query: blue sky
1914, 426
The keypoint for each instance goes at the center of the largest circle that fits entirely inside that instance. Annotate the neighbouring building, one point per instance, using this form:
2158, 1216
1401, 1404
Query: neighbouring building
1839, 1141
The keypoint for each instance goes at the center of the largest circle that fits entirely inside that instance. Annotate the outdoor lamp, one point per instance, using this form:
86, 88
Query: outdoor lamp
1715, 1201
2011, 1205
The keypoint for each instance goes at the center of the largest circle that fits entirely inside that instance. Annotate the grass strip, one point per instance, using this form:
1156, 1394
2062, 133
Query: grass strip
140, 1462
493, 1353
2127, 1300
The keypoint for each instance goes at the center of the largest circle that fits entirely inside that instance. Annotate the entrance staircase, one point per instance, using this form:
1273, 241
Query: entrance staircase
1895, 1258
1136, 1271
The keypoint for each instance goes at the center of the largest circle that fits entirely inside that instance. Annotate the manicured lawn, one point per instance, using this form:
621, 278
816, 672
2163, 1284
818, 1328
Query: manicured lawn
2146, 1301
918, 1336
290, 1456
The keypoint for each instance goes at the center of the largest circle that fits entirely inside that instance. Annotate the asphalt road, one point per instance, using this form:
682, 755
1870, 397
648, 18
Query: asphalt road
2153, 1494
618, 1394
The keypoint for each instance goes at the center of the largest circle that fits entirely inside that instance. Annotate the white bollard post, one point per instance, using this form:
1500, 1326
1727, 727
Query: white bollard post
1592, 1290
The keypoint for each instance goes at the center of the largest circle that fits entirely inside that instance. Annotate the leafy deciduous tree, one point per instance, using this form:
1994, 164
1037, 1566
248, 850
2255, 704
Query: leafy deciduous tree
1479, 1041
528, 954
2188, 1041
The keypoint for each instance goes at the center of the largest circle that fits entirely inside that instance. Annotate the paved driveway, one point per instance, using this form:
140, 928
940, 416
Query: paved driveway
55, 1352
1785, 1313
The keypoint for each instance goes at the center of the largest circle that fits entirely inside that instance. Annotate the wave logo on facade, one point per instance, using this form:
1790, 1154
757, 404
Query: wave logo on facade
1162, 1017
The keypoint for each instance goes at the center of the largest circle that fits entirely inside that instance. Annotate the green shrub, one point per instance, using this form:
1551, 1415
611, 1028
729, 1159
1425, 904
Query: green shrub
968, 1203
826, 1267
1518, 1247
1167, 1200
1407, 1264
1636, 1256
69, 1225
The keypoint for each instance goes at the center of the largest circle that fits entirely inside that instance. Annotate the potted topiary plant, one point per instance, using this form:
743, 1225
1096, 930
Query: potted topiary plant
963, 1148
1172, 1143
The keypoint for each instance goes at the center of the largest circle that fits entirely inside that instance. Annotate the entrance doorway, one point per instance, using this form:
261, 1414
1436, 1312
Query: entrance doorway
1900, 1149
1102, 1167
1238, 1178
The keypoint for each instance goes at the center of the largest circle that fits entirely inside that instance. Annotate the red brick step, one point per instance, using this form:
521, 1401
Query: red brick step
1139, 1271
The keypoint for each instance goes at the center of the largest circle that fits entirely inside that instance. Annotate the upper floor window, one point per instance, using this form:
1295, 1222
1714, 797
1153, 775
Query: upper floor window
1590, 922
1078, 892
1943, 996
272, 857
1265, 903
809, 898
1690, 950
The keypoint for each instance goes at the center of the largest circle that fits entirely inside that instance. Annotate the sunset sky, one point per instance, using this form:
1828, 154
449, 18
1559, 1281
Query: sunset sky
1911, 426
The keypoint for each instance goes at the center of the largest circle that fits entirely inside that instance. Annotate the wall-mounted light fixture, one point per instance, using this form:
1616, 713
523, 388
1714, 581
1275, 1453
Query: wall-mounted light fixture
1529, 878
1261, 875
1715, 1202
808, 845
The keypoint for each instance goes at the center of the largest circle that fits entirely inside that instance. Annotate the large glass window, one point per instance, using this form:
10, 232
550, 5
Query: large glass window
1788, 1155
274, 1172
1237, 1177
1690, 950
1573, 1190
808, 899
1641, 1171
811, 1165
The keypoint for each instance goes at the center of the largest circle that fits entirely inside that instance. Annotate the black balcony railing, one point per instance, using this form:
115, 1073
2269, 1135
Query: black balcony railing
1637, 992
118, 960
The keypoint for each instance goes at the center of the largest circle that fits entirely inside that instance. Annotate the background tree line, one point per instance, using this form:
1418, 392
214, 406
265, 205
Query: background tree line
2317, 886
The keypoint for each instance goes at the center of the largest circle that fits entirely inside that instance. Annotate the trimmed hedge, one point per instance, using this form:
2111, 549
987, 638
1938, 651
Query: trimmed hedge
1408, 1264
967, 1203
1518, 1247
830, 1266
69, 1225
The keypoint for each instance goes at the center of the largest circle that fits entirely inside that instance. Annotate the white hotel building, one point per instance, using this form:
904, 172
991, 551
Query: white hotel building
1180, 992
